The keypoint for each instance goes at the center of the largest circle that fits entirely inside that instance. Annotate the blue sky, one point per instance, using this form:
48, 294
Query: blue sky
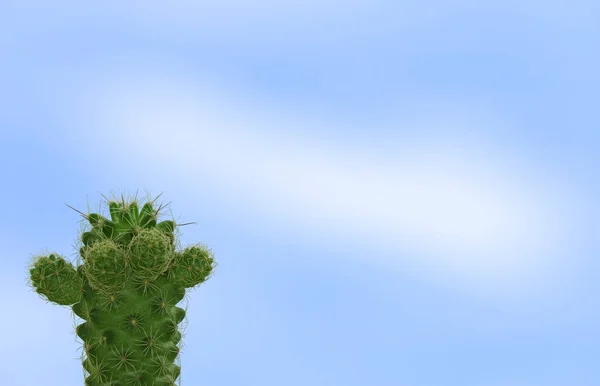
396, 194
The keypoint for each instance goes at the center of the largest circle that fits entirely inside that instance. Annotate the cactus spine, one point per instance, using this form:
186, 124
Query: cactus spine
126, 290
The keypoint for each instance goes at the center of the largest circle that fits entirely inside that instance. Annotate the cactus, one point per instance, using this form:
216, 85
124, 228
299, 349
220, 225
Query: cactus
126, 291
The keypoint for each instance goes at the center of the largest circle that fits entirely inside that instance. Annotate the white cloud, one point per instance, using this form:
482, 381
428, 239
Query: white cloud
445, 198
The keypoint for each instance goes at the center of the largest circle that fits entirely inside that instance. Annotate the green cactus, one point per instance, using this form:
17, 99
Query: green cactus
126, 290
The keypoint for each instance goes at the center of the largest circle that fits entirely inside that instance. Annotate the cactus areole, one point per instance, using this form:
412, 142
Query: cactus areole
126, 290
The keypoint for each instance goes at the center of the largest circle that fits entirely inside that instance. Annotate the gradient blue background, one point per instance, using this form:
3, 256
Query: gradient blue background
396, 193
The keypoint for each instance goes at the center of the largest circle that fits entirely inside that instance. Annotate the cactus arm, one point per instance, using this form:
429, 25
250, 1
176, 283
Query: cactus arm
56, 279
191, 267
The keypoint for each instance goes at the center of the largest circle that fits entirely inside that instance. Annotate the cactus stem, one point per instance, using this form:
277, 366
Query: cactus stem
126, 289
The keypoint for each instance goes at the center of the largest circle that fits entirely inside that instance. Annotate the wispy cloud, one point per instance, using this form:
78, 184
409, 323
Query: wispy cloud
440, 197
